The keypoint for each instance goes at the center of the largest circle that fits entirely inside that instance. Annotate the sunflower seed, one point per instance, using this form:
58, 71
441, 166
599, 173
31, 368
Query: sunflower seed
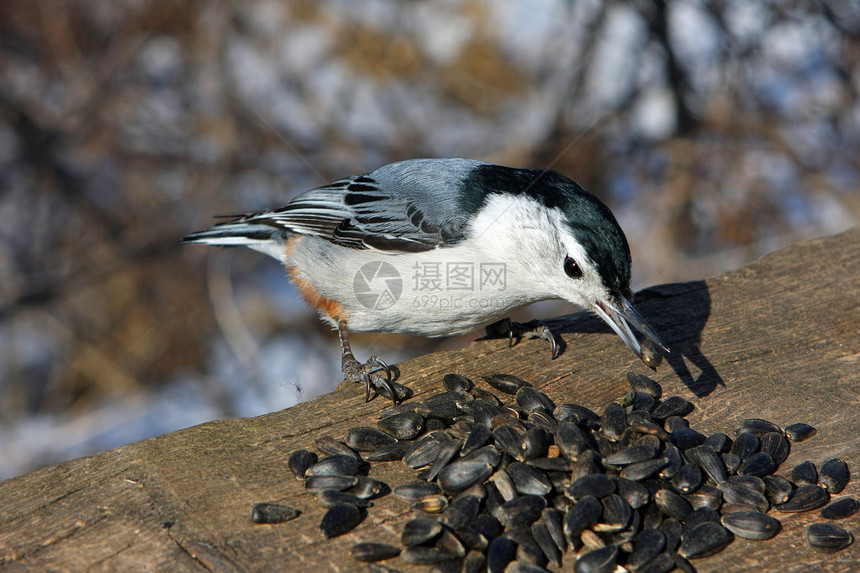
751, 524
705, 539
337, 465
745, 445
672, 406
845, 507
757, 426
805, 498
601, 560
776, 446
367, 439
457, 476
827, 537
799, 432
834, 475
778, 489
370, 552
340, 483
415, 491
273, 513
457, 383
406, 426
506, 383
759, 464
804, 473
642, 383
339, 519
331, 497
300, 461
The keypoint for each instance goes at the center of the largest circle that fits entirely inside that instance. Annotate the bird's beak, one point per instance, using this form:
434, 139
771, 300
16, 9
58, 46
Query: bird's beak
620, 316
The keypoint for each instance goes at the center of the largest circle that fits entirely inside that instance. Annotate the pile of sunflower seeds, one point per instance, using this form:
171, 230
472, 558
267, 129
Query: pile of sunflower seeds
519, 484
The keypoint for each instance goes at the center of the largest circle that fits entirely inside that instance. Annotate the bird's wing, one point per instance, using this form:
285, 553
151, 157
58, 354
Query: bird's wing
409, 206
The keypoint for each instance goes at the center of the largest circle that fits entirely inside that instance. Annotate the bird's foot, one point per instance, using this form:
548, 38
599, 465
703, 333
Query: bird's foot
533, 329
375, 374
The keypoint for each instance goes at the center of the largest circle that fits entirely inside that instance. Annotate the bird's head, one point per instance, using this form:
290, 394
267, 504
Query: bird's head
575, 249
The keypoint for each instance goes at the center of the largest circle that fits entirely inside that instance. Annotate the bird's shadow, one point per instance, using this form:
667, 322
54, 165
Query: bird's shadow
679, 313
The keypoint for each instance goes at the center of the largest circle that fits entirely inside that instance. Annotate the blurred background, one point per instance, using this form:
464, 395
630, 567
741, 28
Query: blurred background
717, 131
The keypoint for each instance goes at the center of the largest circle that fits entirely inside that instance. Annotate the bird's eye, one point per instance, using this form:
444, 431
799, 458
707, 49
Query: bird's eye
572, 269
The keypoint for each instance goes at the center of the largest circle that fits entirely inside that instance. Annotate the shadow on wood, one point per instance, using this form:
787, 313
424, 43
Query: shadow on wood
778, 339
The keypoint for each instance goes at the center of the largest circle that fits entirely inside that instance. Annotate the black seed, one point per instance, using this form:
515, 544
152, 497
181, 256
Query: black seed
340, 519
340, 483
776, 446
672, 504
687, 479
445, 406
799, 432
488, 526
332, 447
420, 530
745, 445
421, 555
759, 465
448, 450
719, 442
368, 488
643, 470
646, 546
570, 440
636, 494
705, 496
834, 475
487, 454
698, 516
686, 438
672, 423
478, 437
827, 537
601, 560
414, 491
578, 414
542, 537
508, 439
757, 426
672, 406
642, 383
736, 493
732, 462
425, 450
521, 511
673, 461
501, 551
331, 497
614, 421
705, 539
778, 489
616, 514
804, 473
751, 524
841, 509
506, 383
805, 498
337, 465
404, 426
580, 516
596, 485
457, 383
543, 420
389, 453
671, 530
710, 462
663, 563
553, 519
366, 439
643, 402
534, 444
531, 400
370, 552
634, 453
300, 461
273, 513
752, 482
529, 480
457, 476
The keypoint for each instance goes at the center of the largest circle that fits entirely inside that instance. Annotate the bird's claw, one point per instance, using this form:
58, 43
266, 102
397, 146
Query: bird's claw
532, 329
373, 365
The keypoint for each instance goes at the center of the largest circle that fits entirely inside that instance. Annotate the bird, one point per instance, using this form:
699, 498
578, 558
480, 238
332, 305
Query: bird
441, 247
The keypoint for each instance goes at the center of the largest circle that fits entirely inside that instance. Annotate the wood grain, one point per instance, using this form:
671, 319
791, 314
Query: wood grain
778, 339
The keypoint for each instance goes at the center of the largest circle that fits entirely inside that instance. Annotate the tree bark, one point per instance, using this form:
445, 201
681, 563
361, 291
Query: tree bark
778, 339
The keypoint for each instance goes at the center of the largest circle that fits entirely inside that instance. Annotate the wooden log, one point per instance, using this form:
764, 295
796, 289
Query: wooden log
778, 339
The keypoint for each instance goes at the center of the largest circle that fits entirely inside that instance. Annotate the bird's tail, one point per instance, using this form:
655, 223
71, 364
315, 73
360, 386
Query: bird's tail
240, 231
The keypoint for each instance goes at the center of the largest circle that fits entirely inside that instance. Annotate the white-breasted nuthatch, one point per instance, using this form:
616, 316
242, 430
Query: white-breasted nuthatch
443, 246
